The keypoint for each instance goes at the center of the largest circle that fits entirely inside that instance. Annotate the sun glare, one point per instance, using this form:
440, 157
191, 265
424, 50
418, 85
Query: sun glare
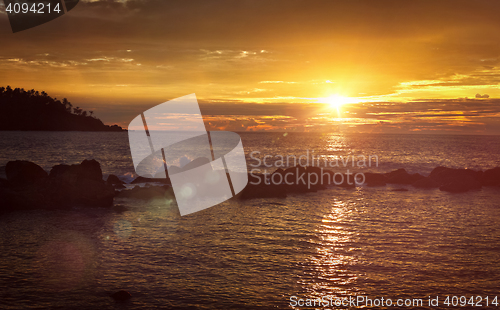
336, 101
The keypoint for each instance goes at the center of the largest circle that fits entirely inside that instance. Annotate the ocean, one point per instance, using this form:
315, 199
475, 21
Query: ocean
336, 245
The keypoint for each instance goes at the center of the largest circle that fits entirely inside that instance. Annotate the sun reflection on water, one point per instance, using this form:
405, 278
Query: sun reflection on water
329, 271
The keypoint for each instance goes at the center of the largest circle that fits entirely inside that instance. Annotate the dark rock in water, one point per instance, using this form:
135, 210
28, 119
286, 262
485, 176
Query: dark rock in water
4, 183
456, 180
461, 186
400, 176
255, 178
302, 179
119, 208
148, 192
279, 171
443, 175
195, 163
21, 173
400, 190
345, 180
21, 198
89, 169
262, 191
121, 296
93, 193
58, 170
65, 186
491, 177
114, 180
426, 183
150, 180
375, 179
119, 186
80, 185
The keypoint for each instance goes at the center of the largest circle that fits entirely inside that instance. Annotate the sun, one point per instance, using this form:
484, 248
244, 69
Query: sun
337, 101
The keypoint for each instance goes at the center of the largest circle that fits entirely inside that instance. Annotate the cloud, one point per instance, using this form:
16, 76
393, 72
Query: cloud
485, 96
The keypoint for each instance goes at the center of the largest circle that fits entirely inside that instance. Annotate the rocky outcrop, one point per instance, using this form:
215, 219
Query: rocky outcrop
461, 186
121, 296
426, 183
21, 172
457, 180
150, 180
375, 179
28, 186
262, 191
491, 177
115, 182
400, 176
148, 192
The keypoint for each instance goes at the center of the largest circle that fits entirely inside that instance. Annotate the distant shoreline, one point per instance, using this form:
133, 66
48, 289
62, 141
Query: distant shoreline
42, 130
31, 110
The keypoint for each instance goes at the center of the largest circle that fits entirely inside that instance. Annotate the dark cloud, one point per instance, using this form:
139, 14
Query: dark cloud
485, 96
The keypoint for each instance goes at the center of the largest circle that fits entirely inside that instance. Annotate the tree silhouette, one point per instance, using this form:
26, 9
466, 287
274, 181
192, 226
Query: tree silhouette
34, 110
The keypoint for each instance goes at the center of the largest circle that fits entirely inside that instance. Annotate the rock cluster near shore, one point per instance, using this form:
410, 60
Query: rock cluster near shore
28, 186
446, 179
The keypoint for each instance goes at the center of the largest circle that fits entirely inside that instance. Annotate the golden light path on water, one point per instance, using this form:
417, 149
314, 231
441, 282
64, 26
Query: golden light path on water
334, 243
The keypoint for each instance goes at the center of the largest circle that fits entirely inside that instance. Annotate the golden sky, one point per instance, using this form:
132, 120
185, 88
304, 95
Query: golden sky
296, 65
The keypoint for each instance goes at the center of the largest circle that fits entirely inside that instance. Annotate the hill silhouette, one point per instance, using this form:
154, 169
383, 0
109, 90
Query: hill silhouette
37, 111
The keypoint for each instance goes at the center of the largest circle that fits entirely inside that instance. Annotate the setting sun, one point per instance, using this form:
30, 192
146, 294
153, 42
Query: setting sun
336, 101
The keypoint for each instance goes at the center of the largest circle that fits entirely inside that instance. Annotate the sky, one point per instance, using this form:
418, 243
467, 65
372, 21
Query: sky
296, 65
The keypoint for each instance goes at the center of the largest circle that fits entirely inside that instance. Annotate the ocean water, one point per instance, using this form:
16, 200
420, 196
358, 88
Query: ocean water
258, 254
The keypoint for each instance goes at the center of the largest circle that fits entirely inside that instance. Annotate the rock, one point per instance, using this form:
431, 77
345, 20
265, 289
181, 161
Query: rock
150, 180
375, 179
443, 175
461, 186
121, 296
90, 169
491, 177
24, 173
195, 163
114, 180
119, 208
80, 185
456, 180
255, 178
346, 181
262, 190
400, 176
301, 179
92, 193
59, 170
148, 192
65, 186
4, 183
426, 183
19, 198
279, 171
